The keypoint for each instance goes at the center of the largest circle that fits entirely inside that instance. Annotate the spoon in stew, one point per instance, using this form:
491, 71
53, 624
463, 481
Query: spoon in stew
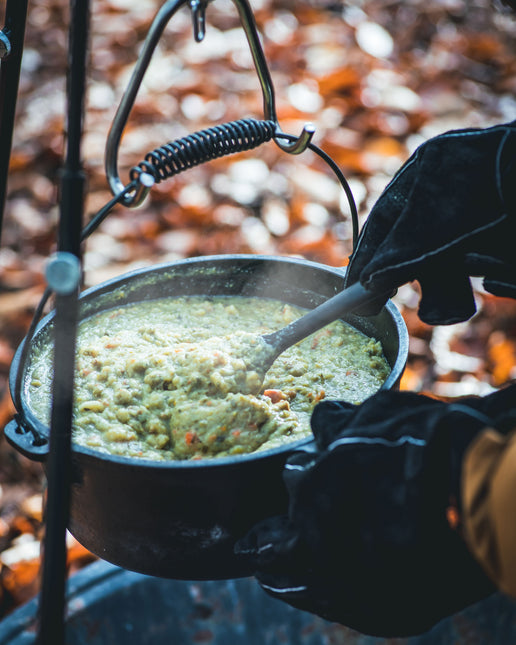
261, 355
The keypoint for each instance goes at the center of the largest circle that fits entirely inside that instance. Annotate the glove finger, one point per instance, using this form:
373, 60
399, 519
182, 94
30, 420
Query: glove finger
297, 466
499, 274
506, 169
291, 588
267, 542
382, 217
332, 599
328, 419
500, 407
386, 414
447, 297
501, 288
495, 259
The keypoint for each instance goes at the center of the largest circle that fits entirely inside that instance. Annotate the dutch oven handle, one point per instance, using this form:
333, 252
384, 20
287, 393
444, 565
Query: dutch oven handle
26, 440
20, 432
197, 148
204, 145
140, 188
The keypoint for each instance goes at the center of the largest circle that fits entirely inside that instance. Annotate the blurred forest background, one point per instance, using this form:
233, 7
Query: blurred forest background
375, 77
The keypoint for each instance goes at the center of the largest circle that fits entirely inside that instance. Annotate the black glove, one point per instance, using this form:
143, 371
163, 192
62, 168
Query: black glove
448, 214
367, 541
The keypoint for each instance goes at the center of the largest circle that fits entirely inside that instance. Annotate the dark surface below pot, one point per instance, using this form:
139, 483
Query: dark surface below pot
107, 606
181, 519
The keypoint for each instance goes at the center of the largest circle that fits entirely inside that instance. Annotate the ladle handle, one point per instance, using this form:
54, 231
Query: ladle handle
346, 301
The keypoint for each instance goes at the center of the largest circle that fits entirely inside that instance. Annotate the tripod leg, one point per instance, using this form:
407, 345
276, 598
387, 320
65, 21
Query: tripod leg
11, 54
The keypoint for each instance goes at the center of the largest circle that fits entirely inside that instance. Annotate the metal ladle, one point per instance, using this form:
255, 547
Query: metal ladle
261, 355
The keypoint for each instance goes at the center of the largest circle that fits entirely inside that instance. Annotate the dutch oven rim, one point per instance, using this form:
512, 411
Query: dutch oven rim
26, 418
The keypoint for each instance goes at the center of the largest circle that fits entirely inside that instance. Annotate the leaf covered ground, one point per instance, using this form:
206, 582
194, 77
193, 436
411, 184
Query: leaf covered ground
375, 78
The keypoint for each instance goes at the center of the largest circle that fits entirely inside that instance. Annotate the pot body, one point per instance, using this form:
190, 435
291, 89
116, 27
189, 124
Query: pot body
181, 519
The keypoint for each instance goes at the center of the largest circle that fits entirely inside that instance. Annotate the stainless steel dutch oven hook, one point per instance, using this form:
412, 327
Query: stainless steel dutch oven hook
142, 182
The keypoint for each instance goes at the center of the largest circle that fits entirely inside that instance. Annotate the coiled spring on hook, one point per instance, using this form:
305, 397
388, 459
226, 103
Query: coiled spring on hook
202, 146
205, 145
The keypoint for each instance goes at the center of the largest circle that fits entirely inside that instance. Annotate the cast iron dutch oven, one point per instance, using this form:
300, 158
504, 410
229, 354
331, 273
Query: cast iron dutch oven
181, 519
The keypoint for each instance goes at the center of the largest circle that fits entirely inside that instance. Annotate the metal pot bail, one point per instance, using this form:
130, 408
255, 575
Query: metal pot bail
207, 144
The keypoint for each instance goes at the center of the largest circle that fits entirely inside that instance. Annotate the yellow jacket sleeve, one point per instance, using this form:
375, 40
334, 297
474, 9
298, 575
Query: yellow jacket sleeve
489, 505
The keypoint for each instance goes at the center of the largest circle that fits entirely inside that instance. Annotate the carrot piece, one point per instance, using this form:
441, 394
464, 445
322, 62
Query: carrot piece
275, 395
190, 438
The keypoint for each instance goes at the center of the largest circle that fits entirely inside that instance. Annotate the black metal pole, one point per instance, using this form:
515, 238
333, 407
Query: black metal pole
63, 275
11, 50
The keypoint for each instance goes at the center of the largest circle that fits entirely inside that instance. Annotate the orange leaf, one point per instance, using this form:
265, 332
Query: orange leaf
502, 354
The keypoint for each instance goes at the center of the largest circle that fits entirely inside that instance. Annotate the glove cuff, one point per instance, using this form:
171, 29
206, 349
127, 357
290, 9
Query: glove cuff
461, 424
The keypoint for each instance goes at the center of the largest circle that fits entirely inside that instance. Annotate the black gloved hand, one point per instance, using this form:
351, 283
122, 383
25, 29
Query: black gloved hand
367, 542
449, 213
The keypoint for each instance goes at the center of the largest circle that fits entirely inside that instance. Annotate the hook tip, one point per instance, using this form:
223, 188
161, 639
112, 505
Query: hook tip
300, 144
198, 8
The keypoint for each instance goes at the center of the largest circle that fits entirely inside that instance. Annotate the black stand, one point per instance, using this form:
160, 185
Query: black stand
63, 276
11, 49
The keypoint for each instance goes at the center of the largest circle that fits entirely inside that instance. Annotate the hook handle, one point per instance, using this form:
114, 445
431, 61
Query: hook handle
165, 13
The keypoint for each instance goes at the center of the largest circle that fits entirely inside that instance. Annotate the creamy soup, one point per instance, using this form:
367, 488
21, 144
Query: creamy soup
167, 379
